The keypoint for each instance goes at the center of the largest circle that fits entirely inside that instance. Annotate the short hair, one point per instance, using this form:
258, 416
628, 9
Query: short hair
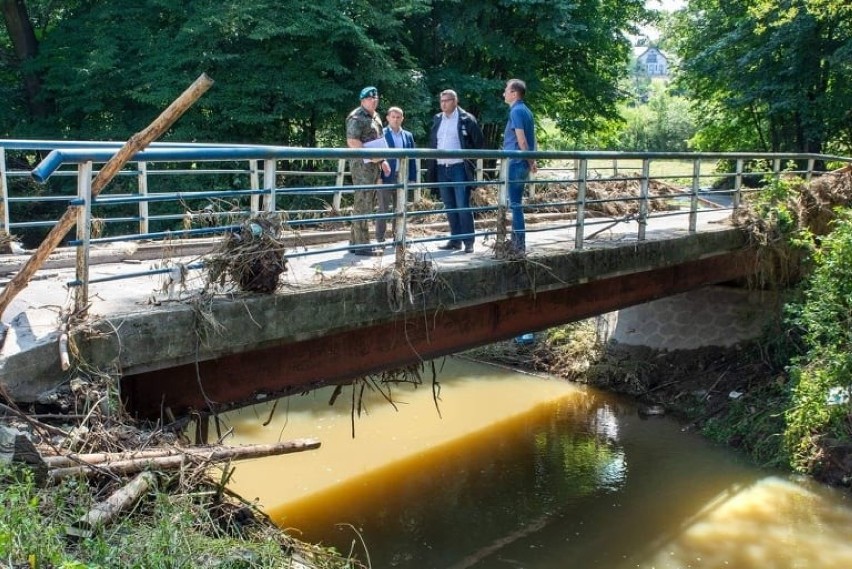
395, 110
517, 86
451, 93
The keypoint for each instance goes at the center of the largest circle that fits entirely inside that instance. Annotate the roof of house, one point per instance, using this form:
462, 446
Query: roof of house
640, 50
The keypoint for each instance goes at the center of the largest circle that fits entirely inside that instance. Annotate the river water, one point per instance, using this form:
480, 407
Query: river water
507, 470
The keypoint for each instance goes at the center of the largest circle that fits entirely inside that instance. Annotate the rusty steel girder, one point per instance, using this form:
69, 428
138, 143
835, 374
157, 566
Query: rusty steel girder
241, 379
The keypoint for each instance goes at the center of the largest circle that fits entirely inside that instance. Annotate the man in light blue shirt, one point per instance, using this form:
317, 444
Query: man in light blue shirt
519, 135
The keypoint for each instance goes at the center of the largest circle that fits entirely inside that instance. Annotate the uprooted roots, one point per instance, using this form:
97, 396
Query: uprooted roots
414, 276
383, 384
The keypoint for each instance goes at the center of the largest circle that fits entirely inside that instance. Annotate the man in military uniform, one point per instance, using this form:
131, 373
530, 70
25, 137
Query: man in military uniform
364, 125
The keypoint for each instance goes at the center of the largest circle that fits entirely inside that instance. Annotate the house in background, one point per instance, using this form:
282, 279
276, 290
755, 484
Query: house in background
651, 61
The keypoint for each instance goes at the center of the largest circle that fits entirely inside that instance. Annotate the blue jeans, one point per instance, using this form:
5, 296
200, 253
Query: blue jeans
455, 197
519, 172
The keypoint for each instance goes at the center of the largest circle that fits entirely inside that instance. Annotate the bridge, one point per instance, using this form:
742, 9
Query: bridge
179, 344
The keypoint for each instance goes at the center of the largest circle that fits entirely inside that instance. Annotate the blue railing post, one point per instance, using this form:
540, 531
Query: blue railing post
582, 174
254, 181
416, 194
84, 234
738, 186
399, 218
502, 203
269, 184
341, 173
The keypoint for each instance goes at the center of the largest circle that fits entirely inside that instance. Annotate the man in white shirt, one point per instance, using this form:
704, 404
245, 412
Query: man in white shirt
455, 129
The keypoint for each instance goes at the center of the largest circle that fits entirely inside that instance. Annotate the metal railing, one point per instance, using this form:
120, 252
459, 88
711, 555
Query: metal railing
249, 179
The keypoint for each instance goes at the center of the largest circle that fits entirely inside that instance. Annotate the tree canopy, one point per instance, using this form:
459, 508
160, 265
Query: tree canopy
287, 72
769, 75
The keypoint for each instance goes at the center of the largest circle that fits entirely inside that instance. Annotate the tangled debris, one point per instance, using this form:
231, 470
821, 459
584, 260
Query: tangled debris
815, 204
609, 198
810, 207
120, 468
251, 258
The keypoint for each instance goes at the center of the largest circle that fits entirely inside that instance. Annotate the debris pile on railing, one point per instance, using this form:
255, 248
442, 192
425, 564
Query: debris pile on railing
807, 206
252, 257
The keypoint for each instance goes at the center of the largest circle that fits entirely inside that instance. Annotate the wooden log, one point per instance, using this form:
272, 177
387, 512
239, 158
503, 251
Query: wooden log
136, 143
104, 512
174, 462
73, 459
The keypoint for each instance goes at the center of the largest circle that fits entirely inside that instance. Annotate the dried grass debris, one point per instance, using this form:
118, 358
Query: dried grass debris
251, 258
815, 204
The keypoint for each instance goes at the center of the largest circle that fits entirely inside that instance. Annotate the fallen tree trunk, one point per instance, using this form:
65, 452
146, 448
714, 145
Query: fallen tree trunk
104, 512
174, 462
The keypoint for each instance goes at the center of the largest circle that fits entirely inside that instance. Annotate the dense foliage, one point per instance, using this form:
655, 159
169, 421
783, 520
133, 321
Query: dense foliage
287, 72
821, 409
664, 124
768, 75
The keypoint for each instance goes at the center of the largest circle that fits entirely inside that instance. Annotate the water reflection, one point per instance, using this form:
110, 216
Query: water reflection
517, 471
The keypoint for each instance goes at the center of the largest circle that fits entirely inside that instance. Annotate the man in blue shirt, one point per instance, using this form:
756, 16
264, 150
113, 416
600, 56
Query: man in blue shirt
519, 135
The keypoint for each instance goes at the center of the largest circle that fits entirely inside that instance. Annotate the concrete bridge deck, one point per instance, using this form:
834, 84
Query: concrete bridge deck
338, 316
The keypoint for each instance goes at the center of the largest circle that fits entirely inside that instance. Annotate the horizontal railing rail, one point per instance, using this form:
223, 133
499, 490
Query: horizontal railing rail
212, 188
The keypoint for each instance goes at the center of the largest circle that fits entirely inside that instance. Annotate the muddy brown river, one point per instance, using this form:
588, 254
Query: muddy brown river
517, 471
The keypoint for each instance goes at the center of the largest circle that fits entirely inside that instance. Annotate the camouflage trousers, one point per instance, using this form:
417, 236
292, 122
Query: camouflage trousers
362, 175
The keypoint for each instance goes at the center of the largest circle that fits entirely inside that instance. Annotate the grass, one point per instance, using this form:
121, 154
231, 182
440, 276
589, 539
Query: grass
167, 530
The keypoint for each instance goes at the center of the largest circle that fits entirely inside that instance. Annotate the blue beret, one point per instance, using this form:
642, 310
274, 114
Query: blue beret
369, 92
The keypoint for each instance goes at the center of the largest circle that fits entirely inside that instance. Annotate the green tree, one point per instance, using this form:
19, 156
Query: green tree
288, 71
571, 54
664, 124
767, 75
283, 69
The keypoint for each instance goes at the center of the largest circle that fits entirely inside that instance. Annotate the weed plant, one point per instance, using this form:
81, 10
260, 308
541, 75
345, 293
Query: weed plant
821, 407
167, 530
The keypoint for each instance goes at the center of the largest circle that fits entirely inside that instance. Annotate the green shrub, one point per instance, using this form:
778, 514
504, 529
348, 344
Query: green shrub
825, 318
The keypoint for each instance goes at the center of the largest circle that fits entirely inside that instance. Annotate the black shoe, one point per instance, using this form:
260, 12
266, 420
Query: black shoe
450, 246
468, 248
368, 252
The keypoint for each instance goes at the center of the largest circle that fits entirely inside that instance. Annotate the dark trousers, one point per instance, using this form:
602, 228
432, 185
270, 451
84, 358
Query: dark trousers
456, 195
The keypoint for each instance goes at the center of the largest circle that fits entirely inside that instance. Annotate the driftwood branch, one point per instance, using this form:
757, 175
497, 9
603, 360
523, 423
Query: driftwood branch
175, 461
104, 512
136, 143
63, 460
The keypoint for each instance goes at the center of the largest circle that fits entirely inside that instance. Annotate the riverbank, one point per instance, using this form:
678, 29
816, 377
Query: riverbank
128, 495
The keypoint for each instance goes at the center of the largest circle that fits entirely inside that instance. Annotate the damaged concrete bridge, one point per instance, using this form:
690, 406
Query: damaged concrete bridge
143, 313
337, 316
